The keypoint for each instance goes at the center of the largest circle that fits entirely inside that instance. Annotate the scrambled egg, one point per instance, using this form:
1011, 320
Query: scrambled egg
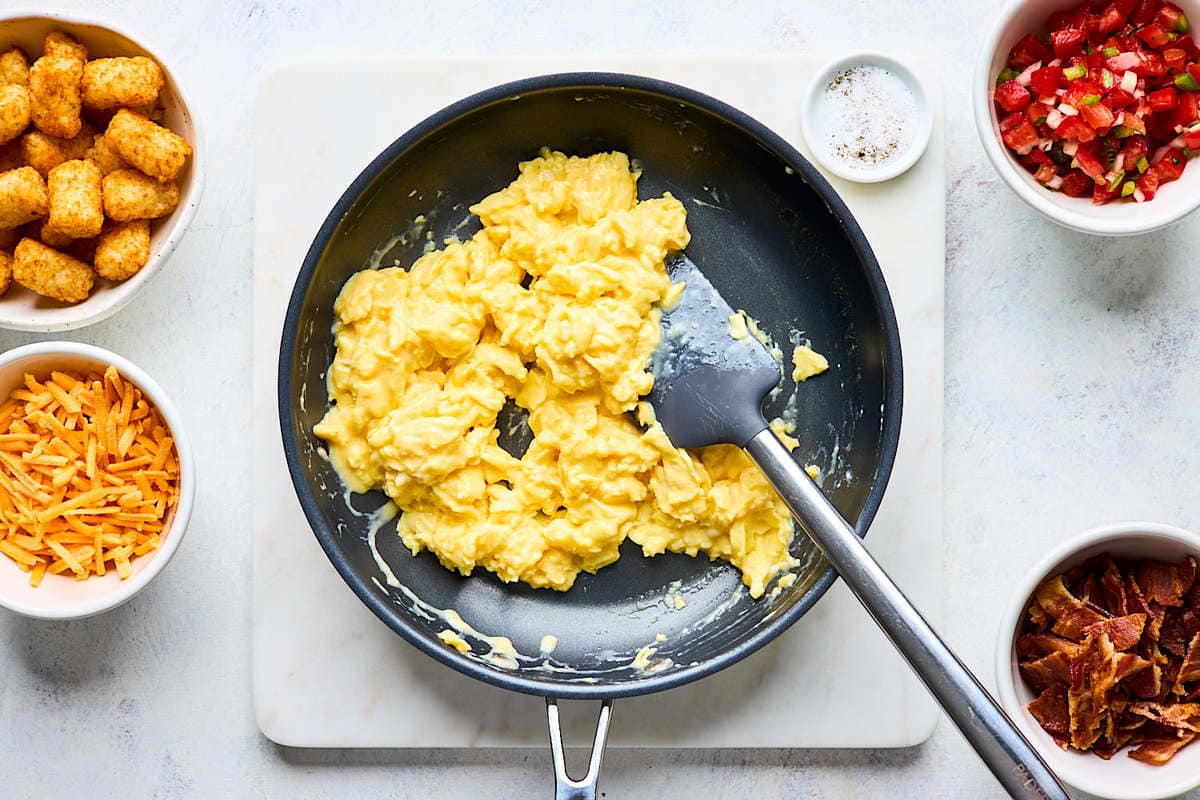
554, 304
807, 362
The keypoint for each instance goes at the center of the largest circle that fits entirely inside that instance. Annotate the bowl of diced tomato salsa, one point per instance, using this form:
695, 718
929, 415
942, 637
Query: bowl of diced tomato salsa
1091, 112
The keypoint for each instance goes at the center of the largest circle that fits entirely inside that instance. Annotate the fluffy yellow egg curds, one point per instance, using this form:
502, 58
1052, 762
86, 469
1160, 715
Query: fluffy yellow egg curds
552, 305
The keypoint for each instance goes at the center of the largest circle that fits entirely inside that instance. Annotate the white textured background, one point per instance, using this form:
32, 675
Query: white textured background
1071, 400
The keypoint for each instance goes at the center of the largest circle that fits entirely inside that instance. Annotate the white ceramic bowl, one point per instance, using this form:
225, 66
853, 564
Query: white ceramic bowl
918, 138
1120, 778
1173, 201
21, 309
62, 597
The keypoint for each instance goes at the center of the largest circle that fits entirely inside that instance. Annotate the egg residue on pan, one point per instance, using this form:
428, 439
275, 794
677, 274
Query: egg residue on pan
554, 305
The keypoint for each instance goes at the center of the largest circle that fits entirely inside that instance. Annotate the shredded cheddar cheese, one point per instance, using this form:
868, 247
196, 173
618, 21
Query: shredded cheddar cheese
88, 475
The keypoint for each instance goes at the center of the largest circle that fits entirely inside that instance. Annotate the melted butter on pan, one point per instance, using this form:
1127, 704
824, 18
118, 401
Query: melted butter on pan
500, 653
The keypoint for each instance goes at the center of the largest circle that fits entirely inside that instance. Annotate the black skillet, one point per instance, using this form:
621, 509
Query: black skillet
769, 233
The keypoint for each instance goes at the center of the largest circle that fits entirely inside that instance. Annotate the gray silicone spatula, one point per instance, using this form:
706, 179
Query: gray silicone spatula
709, 389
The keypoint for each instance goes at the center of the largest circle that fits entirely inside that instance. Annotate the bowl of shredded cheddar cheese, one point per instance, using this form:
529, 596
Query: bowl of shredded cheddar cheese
96, 480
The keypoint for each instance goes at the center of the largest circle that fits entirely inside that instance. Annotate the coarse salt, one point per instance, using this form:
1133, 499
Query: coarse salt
866, 117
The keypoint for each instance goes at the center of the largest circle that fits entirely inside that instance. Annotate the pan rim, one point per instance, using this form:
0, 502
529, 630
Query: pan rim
774, 143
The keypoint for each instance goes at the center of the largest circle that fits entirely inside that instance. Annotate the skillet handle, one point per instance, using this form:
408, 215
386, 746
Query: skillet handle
566, 787
1014, 762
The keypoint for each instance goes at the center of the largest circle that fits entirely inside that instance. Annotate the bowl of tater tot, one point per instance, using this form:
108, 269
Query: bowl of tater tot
101, 169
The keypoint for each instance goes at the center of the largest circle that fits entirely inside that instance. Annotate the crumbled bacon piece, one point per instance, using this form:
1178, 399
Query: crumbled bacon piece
1112, 650
1069, 613
1051, 712
1160, 751
1124, 632
1161, 582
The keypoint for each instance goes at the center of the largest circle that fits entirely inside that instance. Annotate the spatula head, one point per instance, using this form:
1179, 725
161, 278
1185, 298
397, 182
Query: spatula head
708, 386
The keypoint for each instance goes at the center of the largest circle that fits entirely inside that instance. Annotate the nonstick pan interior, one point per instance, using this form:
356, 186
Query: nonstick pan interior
768, 232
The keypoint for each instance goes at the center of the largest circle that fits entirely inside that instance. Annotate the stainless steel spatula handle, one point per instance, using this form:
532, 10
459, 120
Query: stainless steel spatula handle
1007, 753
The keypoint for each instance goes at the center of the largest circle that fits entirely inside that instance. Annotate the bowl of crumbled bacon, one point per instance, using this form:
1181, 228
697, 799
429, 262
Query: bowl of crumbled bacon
96, 480
1098, 661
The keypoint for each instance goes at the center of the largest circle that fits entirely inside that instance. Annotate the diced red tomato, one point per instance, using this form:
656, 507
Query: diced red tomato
1145, 11
1036, 158
1171, 18
1192, 140
1148, 184
1101, 194
1045, 173
1132, 121
1154, 35
1073, 129
1021, 138
1175, 58
1163, 99
1171, 165
1099, 116
1038, 112
1068, 42
1012, 96
1187, 110
1135, 148
1110, 19
1081, 91
1010, 121
1090, 160
1046, 81
1027, 51
1119, 98
1189, 47
1150, 64
1076, 184
1125, 7
1194, 71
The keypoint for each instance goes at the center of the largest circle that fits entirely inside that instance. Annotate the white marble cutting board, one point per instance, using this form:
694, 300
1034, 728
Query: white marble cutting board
327, 673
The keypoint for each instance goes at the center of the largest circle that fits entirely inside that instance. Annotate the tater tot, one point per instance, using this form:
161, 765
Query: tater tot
23, 197
14, 67
104, 156
76, 199
48, 235
54, 83
121, 82
128, 195
63, 45
122, 250
6, 262
50, 273
155, 150
44, 153
15, 111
